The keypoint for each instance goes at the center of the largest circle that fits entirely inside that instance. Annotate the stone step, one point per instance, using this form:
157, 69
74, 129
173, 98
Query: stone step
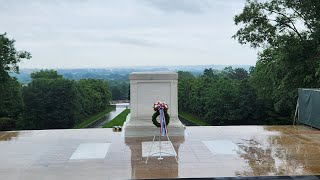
146, 131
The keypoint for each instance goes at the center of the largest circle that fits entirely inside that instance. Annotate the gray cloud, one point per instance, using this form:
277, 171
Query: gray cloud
95, 33
131, 41
185, 6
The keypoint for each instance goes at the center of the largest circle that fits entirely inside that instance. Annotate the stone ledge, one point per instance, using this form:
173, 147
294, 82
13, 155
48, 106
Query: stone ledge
150, 131
174, 122
153, 76
145, 128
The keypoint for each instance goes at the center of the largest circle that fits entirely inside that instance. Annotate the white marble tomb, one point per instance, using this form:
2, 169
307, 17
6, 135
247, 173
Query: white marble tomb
146, 88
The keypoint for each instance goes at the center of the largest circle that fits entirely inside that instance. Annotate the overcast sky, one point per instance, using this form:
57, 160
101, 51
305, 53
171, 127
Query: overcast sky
108, 33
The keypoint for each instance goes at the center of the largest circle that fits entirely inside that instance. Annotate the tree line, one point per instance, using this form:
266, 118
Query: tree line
49, 100
119, 89
287, 33
221, 97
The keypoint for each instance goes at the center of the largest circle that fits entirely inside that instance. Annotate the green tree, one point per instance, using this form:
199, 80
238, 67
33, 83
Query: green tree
50, 104
252, 109
185, 75
264, 22
51, 101
288, 31
209, 73
10, 95
225, 98
185, 85
124, 88
47, 74
11, 100
237, 73
116, 93
9, 57
119, 89
95, 95
221, 103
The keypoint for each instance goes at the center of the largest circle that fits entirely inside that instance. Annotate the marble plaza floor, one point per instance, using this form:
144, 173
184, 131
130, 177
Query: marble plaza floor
203, 152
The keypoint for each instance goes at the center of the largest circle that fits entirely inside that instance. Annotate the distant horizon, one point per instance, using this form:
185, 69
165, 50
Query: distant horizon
139, 66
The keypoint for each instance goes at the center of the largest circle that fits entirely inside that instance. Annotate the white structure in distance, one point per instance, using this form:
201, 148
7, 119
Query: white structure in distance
146, 88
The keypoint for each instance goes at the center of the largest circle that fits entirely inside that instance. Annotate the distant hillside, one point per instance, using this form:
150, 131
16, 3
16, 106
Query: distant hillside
120, 73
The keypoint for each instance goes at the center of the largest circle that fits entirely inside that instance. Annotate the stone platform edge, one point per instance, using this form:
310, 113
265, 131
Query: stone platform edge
175, 128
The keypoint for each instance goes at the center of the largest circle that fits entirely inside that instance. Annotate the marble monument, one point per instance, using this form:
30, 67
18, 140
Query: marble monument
146, 88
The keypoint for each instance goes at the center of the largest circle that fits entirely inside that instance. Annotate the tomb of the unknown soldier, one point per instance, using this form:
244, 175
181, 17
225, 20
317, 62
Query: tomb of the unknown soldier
155, 144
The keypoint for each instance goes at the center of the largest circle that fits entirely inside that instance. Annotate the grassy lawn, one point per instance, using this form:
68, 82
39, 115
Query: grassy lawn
192, 118
118, 120
93, 118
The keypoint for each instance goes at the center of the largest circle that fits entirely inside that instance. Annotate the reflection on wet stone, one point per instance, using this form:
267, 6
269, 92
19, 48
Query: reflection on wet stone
7, 136
168, 167
277, 155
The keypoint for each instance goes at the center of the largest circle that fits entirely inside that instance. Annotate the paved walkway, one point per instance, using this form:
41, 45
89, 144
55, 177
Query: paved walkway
109, 116
204, 152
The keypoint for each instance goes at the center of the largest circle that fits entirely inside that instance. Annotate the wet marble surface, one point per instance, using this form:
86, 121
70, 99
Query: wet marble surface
91, 151
156, 148
262, 151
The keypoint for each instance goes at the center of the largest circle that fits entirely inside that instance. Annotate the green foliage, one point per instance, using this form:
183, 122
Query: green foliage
116, 93
237, 73
47, 74
209, 73
50, 104
288, 32
223, 98
9, 57
54, 102
10, 95
264, 22
118, 120
7, 124
95, 95
192, 118
94, 118
119, 89
185, 75
10, 99
184, 93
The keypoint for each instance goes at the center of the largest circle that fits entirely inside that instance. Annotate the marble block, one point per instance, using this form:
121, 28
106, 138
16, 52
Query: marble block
146, 88
91, 151
154, 148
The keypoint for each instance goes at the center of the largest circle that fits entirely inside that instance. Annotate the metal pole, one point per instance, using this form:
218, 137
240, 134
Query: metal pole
174, 151
160, 158
154, 137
